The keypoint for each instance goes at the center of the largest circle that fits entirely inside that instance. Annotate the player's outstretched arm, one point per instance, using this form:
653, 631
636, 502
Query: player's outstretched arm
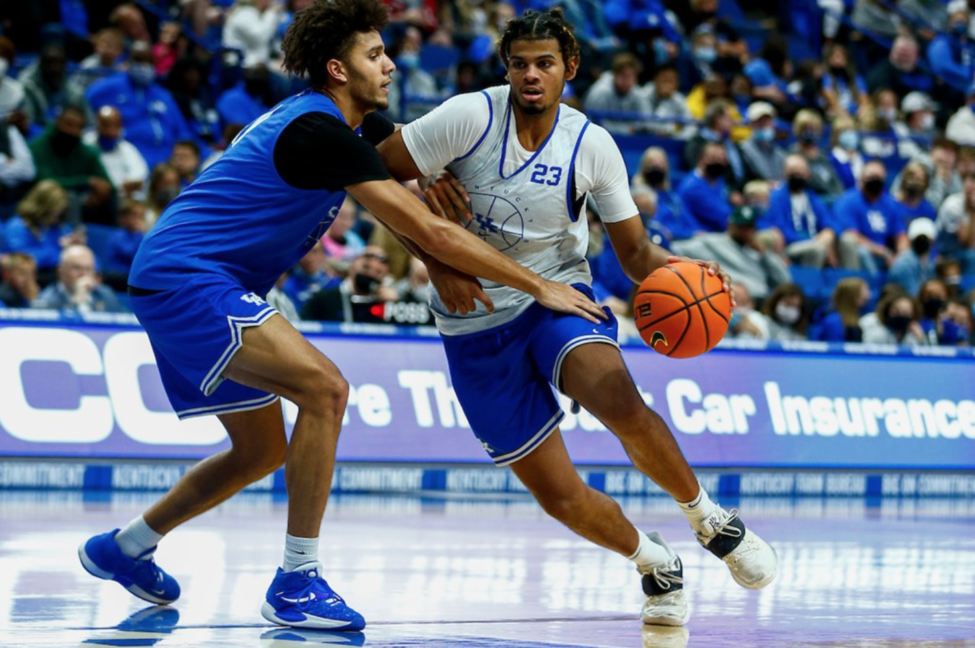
400, 210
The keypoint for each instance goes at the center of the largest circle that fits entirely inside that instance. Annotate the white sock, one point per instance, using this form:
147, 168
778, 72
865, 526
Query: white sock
651, 552
697, 509
137, 538
299, 551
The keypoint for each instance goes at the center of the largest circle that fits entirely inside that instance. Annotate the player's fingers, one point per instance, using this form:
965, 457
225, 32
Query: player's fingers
434, 203
458, 203
482, 297
450, 306
460, 190
591, 307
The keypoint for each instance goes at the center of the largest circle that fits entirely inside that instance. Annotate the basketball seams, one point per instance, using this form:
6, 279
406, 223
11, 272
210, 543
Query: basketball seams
704, 318
686, 305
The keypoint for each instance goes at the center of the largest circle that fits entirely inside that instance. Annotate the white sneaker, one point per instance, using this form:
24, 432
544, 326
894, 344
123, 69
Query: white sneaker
664, 587
752, 561
661, 637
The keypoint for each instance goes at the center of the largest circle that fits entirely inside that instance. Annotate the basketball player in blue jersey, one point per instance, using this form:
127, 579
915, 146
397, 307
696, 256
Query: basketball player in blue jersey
527, 164
198, 285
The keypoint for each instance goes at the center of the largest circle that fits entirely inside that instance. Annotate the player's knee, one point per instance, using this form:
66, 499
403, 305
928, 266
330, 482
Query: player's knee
324, 391
564, 505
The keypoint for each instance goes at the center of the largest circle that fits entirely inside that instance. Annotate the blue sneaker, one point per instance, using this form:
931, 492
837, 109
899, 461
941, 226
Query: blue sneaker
102, 557
302, 599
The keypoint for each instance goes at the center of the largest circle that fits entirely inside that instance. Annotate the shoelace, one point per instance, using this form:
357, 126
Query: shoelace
665, 579
720, 526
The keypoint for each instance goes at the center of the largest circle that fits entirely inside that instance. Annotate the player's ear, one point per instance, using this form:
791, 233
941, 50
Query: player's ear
571, 67
336, 70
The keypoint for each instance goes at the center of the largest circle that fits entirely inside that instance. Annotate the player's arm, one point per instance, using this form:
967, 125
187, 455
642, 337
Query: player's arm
600, 166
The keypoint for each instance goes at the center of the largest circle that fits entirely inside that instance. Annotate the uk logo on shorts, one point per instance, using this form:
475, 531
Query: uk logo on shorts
252, 298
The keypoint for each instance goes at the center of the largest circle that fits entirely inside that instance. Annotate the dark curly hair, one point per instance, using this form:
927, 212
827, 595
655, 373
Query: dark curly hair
540, 25
327, 30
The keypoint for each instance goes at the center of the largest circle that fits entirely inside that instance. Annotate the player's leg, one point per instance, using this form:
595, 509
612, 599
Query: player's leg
548, 473
596, 377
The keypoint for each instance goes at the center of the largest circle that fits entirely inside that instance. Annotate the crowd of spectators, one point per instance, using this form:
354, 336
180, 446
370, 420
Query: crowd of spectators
823, 153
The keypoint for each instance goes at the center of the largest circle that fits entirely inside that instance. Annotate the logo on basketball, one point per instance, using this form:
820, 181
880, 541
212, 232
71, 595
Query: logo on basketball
657, 337
497, 221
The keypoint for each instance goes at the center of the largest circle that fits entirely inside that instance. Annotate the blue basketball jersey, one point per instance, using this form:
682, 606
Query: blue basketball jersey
239, 218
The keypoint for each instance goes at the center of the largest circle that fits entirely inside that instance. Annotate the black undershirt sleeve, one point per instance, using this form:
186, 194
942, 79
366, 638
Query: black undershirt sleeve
376, 128
319, 151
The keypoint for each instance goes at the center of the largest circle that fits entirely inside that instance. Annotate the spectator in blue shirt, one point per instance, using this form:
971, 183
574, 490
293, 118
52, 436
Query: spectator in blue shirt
937, 326
247, 100
950, 54
37, 229
153, 121
914, 266
18, 287
704, 192
842, 323
845, 153
125, 242
672, 214
843, 91
805, 223
910, 195
770, 71
874, 218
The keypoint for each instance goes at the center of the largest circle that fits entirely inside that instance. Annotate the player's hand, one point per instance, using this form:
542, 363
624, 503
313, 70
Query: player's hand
457, 290
447, 197
566, 299
713, 269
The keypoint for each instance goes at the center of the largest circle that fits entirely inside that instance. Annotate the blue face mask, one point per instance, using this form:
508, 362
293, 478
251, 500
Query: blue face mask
142, 74
763, 134
706, 54
849, 140
409, 60
959, 29
107, 143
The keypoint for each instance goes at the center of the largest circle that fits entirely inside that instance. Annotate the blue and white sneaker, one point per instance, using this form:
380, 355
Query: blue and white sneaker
302, 599
102, 557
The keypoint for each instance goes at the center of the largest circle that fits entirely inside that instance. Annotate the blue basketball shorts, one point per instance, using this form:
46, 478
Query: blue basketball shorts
195, 331
504, 377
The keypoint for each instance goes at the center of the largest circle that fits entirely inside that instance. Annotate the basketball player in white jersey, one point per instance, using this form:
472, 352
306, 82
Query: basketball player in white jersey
527, 164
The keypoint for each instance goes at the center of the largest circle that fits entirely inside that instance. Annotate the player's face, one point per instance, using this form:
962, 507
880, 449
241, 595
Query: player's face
538, 74
369, 72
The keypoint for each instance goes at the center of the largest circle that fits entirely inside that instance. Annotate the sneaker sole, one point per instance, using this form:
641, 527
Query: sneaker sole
765, 581
313, 622
134, 589
672, 622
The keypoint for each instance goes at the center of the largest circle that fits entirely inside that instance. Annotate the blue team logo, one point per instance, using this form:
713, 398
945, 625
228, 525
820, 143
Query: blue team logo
497, 221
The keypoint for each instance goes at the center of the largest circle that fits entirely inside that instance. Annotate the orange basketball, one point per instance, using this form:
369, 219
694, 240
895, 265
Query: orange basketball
681, 310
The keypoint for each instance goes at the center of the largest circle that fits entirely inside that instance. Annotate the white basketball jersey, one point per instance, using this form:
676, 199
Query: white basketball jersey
529, 212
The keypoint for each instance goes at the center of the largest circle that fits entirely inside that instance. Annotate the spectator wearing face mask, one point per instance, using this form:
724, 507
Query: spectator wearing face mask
704, 192
126, 167
411, 80
787, 314
247, 100
78, 287
46, 90
60, 155
842, 323
845, 152
808, 130
746, 322
948, 53
914, 266
938, 327
763, 159
719, 121
352, 300
896, 322
153, 121
919, 117
910, 194
874, 218
671, 214
843, 90
807, 227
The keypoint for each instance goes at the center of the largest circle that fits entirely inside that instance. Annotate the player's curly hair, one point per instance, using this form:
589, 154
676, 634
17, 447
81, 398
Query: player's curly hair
540, 25
327, 30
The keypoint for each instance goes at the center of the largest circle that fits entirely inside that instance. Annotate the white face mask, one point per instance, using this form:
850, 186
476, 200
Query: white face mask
927, 121
787, 314
4, 66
